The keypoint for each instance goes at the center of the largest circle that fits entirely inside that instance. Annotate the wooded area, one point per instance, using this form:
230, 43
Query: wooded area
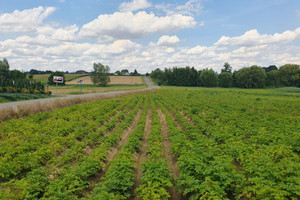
248, 77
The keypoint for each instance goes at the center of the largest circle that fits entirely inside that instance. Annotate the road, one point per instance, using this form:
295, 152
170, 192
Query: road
16, 104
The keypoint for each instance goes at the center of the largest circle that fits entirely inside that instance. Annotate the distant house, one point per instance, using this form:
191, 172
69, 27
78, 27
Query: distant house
126, 74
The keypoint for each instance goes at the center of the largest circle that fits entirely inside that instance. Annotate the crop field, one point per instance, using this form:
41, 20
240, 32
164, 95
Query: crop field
120, 80
172, 143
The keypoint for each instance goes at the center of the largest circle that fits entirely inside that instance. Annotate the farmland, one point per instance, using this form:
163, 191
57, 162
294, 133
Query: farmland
117, 83
173, 143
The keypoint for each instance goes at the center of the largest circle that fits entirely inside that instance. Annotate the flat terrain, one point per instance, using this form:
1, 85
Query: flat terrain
172, 143
120, 80
69, 77
73, 78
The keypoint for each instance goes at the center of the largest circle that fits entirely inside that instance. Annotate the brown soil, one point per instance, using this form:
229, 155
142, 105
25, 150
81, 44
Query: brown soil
175, 194
142, 156
126, 80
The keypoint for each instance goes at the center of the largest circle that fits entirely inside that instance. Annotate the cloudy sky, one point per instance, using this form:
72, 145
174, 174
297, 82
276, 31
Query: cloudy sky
70, 35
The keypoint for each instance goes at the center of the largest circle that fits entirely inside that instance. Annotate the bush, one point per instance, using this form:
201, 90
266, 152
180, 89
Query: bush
24, 90
36, 92
4, 89
12, 90
1, 90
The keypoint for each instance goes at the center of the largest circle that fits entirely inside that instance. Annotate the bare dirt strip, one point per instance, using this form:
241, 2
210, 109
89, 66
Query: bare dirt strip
141, 157
171, 160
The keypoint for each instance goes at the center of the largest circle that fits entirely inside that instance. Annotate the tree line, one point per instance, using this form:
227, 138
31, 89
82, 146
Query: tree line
248, 77
17, 81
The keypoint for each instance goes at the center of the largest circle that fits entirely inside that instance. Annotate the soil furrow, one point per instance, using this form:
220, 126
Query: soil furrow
112, 153
141, 157
115, 150
171, 160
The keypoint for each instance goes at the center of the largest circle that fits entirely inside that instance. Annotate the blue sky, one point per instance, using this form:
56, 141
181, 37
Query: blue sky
70, 35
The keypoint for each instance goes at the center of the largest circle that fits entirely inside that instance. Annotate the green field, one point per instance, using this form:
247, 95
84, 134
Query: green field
172, 143
9, 97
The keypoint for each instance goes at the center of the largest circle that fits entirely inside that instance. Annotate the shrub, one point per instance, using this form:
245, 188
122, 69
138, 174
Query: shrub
24, 90
4, 89
12, 90
1, 90
36, 92
18, 90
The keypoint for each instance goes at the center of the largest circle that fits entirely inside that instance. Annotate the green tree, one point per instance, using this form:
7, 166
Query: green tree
209, 78
57, 73
270, 68
227, 68
251, 77
225, 79
273, 78
289, 75
4, 69
158, 76
100, 75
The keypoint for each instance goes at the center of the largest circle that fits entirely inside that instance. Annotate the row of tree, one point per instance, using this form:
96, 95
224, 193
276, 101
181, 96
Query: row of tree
16, 79
248, 77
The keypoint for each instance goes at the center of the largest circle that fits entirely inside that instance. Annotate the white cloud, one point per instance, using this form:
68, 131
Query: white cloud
24, 21
196, 50
189, 8
167, 40
65, 34
252, 38
134, 5
127, 25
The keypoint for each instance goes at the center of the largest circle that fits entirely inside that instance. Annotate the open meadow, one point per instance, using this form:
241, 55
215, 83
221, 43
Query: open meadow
172, 143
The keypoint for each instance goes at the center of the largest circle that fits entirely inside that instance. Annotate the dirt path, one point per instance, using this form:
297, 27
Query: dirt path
171, 160
142, 157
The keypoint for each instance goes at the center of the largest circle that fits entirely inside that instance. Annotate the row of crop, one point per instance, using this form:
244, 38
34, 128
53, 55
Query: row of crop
205, 171
29, 142
263, 167
118, 180
156, 177
74, 152
73, 178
